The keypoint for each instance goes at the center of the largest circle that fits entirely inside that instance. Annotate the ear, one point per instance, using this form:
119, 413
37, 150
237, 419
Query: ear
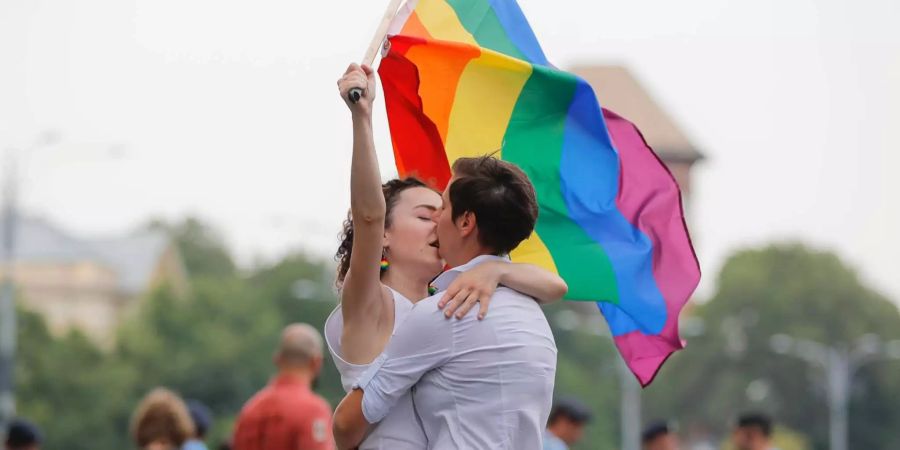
386, 240
467, 224
316, 364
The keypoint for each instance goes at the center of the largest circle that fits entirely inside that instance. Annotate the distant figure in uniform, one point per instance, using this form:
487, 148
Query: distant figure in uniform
659, 436
286, 414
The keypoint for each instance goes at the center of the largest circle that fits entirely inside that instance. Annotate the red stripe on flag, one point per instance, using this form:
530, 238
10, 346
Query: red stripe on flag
417, 142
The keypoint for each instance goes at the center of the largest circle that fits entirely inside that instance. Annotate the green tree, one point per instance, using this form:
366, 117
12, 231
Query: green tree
202, 248
301, 289
794, 290
70, 389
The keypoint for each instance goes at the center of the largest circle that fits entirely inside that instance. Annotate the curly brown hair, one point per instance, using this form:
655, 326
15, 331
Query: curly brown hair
161, 416
391, 190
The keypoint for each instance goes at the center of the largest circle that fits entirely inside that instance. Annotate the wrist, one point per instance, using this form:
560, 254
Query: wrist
362, 114
502, 270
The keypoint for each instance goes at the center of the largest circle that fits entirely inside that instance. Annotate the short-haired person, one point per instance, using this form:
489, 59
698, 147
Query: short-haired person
565, 427
22, 435
387, 258
659, 436
753, 432
287, 414
484, 384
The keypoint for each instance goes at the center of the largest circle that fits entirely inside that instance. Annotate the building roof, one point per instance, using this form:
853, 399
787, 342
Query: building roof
618, 90
132, 257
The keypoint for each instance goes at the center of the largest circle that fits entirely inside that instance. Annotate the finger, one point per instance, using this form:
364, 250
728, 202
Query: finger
467, 305
368, 71
451, 292
347, 83
483, 307
447, 296
455, 302
351, 68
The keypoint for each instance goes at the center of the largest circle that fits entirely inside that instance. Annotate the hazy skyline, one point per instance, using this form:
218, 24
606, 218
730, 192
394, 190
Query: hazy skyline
228, 110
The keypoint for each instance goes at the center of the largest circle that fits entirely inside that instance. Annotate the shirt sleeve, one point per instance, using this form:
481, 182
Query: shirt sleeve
316, 429
422, 342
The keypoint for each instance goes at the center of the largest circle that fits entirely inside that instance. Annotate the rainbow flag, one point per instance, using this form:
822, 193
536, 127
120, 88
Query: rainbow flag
468, 78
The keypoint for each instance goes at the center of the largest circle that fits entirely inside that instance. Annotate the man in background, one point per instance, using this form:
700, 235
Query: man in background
565, 427
286, 414
659, 436
202, 418
22, 435
753, 432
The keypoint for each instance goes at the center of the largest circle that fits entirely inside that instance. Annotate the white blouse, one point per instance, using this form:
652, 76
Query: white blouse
399, 430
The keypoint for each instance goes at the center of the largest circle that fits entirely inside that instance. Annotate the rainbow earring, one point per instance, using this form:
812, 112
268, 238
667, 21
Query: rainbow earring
385, 264
432, 290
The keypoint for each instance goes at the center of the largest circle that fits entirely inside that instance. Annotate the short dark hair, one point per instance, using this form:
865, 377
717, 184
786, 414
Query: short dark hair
756, 420
201, 415
500, 195
22, 434
654, 431
571, 409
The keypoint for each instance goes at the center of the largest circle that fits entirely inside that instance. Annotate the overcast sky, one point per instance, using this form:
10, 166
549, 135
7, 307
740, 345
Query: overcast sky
228, 110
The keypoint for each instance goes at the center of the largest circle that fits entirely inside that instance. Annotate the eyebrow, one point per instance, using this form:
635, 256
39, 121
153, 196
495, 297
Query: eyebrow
433, 208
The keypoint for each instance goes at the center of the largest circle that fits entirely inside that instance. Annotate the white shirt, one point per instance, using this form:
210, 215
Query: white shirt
400, 430
476, 384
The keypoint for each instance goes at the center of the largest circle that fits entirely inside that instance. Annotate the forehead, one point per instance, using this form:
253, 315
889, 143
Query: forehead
417, 196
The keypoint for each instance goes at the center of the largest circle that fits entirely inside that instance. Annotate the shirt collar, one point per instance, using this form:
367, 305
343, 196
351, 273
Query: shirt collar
442, 282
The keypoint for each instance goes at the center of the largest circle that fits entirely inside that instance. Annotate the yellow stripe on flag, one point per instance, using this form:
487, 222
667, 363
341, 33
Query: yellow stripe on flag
533, 251
485, 98
440, 19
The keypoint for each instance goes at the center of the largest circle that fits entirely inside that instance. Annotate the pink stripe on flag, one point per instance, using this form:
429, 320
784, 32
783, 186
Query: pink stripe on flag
650, 200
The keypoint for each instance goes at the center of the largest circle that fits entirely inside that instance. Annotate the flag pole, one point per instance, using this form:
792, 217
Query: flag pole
380, 33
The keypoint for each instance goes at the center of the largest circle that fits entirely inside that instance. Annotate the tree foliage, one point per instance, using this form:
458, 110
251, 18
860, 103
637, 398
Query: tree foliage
216, 345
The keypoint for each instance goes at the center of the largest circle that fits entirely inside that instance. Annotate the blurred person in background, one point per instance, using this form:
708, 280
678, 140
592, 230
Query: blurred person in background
753, 432
565, 427
287, 414
659, 436
161, 421
22, 435
202, 419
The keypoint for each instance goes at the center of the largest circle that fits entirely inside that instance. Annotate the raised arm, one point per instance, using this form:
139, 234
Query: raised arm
362, 297
477, 285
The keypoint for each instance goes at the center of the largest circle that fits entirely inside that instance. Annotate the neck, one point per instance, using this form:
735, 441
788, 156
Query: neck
467, 252
407, 282
556, 431
300, 374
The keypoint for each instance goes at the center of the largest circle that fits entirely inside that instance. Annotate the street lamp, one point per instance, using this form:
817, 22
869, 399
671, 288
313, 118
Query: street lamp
630, 389
10, 217
7, 294
840, 365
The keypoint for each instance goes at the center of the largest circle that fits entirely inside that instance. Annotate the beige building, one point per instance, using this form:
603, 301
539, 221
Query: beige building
618, 90
90, 284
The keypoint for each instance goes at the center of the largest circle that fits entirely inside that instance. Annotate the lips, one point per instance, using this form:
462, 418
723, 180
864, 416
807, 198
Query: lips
435, 244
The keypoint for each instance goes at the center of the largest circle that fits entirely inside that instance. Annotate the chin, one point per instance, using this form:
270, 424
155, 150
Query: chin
436, 266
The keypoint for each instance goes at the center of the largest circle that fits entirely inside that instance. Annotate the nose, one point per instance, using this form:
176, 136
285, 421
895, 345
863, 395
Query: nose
436, 215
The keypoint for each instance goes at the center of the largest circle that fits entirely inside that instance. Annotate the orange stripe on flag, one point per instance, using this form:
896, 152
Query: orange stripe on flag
440, 68
414, 27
